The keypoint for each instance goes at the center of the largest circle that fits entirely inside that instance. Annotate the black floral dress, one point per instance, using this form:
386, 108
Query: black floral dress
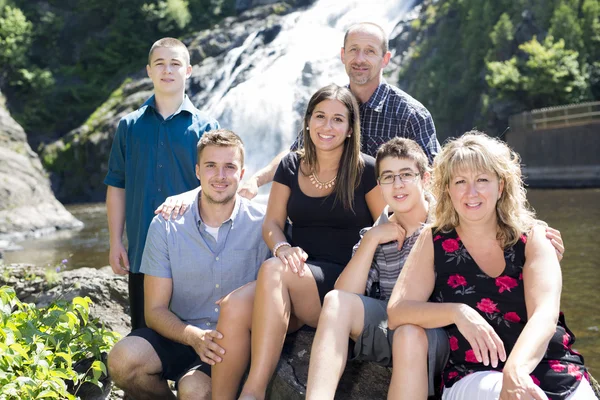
501, 301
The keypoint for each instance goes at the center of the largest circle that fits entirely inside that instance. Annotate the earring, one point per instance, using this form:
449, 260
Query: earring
308, 128
348, 135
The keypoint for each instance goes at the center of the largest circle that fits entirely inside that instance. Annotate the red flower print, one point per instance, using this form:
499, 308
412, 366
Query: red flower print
505, 283
535, 380
438, 237
566, 338
521, 276
487, 306
556, 365
452, 375
456, 280
450, 245
453, 343
573, 370
470, 356
512, 317
523, 238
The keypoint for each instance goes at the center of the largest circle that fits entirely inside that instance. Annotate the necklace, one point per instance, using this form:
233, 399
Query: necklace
321, 185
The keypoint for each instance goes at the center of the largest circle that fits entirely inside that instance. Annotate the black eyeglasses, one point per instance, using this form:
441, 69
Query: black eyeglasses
405, 177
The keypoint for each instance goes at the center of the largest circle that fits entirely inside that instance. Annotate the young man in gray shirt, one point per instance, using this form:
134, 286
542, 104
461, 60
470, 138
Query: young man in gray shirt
191, 263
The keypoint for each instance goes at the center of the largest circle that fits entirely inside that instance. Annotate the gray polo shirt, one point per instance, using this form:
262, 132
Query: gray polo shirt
204, 270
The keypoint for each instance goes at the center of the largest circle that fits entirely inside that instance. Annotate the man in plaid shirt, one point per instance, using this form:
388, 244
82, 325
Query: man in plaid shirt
385, 110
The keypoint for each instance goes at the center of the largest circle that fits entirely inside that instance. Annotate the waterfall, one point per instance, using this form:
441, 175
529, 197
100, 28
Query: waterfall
261, 91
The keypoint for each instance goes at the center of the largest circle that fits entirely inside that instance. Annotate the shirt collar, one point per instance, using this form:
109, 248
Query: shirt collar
186, 105
378, 98
233, 217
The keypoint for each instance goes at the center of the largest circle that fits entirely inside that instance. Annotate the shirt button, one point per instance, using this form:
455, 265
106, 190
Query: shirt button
208, 324
217, 285
216, 310
217, 258
162, 143
159, 189
159, 165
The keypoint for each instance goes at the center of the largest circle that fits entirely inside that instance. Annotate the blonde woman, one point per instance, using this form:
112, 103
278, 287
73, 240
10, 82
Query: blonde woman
494, 283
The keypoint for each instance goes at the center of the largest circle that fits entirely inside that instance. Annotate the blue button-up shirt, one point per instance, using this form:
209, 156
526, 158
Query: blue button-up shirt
390, 113
202, 269
153, 158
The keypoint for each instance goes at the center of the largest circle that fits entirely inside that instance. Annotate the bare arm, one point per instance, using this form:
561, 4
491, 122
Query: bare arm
162, 320
250, 188
274, 224
115, 210
543, 284
408, 305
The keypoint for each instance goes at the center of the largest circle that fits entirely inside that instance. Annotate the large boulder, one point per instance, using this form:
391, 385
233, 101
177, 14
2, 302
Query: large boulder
27, 205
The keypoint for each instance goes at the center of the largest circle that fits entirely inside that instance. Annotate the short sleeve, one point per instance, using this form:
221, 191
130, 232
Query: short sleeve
116, 162
155, 260
368, 179
288, 168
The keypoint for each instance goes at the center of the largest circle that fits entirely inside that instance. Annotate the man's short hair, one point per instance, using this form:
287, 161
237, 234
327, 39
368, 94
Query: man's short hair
365, 25
220, 138
171, 43
405, 149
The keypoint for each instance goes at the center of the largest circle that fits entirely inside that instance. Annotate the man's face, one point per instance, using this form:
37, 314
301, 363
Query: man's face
220, 171
363, 56
168, 70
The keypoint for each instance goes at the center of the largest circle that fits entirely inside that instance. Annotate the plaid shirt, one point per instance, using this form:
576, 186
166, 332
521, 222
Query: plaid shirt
388, 260
389, 113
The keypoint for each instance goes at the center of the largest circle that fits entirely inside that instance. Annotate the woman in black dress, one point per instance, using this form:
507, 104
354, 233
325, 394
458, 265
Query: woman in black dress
329, 192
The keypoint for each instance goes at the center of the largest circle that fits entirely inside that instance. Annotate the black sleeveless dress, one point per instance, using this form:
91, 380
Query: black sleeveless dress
501, 302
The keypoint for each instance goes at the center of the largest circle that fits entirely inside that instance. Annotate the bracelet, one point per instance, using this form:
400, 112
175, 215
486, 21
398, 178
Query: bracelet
278, 246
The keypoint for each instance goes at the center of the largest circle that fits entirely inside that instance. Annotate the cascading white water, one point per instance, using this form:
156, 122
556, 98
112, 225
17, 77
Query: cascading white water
279, 78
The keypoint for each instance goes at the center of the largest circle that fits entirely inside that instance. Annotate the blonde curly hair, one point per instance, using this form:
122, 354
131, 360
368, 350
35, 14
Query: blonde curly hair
476, 151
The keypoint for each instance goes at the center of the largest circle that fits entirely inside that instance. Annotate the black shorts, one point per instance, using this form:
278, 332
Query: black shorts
176, 358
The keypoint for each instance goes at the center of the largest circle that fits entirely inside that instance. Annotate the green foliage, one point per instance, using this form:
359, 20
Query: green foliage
565, 25
38, 348
168, 15
15, 38
549, 73
502, 37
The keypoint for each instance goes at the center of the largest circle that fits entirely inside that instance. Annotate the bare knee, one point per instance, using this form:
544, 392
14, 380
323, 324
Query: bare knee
131, 357
410, 339
335, 304
194, 385
237, 306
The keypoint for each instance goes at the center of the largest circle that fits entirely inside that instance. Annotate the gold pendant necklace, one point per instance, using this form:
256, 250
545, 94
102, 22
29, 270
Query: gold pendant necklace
321, 185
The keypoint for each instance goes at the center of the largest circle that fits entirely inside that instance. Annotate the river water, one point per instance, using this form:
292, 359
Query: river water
576, 213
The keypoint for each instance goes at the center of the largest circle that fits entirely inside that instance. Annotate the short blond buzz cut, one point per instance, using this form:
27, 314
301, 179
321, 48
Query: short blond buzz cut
366, 25
171, 43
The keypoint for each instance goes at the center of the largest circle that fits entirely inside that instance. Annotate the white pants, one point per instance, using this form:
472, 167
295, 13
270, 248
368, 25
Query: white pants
487, 385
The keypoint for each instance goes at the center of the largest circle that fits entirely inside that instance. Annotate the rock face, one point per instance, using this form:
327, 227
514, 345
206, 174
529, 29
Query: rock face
27, 205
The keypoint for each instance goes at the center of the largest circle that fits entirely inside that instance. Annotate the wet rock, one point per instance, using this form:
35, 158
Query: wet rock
27, 204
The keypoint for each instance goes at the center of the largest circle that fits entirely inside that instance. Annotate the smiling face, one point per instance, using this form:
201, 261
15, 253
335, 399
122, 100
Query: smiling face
401, 197
219, 170
474, 194
168, 70
329, 125
363, 56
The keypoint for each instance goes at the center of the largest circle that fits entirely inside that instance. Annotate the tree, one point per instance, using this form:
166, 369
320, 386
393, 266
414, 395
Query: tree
548, 74
565, 25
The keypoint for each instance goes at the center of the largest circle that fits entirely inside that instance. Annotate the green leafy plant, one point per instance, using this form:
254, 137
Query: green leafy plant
40, 346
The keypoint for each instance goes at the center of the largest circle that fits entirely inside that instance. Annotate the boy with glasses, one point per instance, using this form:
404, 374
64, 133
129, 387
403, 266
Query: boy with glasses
403, 174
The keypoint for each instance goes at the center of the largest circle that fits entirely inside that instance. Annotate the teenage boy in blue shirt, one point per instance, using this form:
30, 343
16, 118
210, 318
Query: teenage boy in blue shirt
152, 157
